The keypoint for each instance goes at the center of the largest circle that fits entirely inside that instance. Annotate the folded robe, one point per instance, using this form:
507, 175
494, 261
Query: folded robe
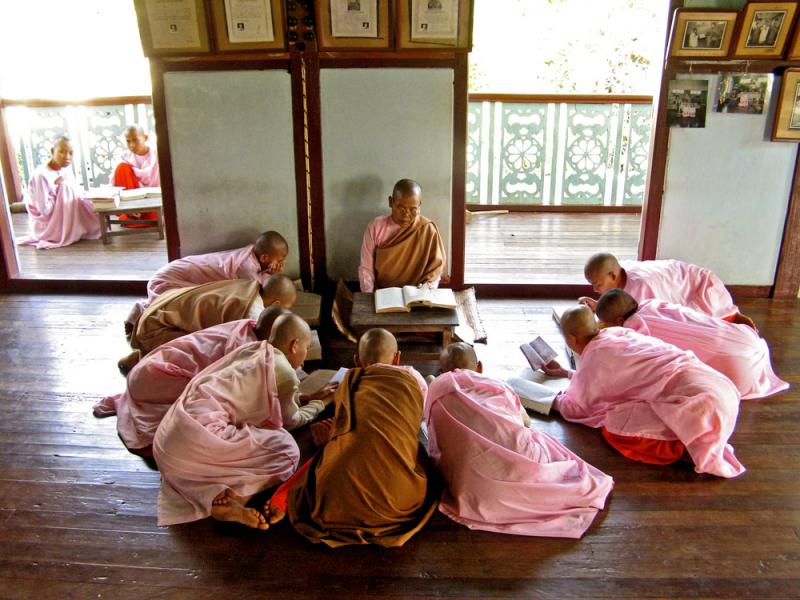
680, 283
734, 350
240, 263
502, 476
224, 432
159, 378
58, 216
414, 255
190, 309
637, 386
368, 484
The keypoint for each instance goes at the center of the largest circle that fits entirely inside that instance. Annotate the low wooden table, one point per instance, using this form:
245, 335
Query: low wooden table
127, 207
441, 321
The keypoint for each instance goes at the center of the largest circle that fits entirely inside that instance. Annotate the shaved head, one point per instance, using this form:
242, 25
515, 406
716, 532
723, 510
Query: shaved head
615, 306
376, 346
62, 139
579, 322
267, 318
288, 328
135, 129
458, 356
600, 263
271, 243
279, 288
406, 187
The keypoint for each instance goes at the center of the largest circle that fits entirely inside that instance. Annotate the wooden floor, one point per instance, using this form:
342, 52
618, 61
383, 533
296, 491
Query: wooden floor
126, 257
78, 512
531, 247
519, 247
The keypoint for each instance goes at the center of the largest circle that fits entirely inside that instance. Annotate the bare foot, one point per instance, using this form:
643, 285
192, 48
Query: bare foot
229, 496
274, 514
237, 513
128, 362
104, 408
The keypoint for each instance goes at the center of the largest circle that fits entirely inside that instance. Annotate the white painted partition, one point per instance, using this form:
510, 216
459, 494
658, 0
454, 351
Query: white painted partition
230, 136
378, 126
726, 193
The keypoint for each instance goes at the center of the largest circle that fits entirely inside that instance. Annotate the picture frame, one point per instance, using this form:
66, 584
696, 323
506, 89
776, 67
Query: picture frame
702, 33
353, 24
743, 93
248, 26
786, 127
764, 29
442, 24
172, 27
687, 103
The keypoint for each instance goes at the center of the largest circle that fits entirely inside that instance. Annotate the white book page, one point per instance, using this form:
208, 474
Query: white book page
532, 395
443, 297
412, 294
544, 350
389, 298
338, 377
315, 380
533, 357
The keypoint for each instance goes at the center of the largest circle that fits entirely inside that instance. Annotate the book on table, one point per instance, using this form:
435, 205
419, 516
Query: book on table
104, 197
538, 352
396, 299
141, 193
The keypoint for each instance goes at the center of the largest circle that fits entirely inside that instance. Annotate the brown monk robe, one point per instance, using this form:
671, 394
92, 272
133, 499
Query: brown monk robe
416, 254
369, 483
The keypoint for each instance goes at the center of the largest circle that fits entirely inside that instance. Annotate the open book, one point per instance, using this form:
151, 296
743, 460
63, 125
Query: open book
316, 379
140, 193
538, 352
533, 396
395, 299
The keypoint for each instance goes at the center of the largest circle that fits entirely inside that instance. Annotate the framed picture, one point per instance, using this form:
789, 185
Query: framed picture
248, 25
787, 115
745, 93
353, 24
434, 24
172, 27
687, 101
764, 29
702, 33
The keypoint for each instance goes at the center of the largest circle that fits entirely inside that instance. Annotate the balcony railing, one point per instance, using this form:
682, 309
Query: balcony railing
96, 129
558, 150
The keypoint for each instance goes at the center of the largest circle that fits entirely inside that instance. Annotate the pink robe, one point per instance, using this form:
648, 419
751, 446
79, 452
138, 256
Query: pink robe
161, 376
57, 214
637, 386
680, 283
379, 231
734, 350
145, 166
224, 432
500, 475
240, 263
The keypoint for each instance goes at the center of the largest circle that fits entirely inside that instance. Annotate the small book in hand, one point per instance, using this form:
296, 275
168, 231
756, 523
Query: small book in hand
538, 352
395, 299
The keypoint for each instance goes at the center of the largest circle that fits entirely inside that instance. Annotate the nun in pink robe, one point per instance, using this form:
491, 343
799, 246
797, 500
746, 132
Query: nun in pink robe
734, 350
160, 377
224, 432
57, 214
240, 263
502, 476
680, 283
635, 386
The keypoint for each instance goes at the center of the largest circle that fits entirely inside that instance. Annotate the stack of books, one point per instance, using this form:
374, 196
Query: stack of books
104, 197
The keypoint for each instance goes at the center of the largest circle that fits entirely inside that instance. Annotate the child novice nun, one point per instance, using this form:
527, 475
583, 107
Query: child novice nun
139, 168
57, 214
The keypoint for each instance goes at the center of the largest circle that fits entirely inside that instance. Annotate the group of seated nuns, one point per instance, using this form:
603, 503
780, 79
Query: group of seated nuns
213, 396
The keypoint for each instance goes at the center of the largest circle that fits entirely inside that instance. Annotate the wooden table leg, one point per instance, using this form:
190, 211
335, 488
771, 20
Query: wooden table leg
160, 217
447, 337
105, 226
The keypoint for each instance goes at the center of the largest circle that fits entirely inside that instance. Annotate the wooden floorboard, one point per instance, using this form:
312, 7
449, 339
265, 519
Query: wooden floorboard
530, 247
128, 257
78, 512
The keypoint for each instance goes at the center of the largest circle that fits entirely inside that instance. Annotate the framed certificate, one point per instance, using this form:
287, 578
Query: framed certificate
434, 23
353, 24
248, 25
787, 117
172, 27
